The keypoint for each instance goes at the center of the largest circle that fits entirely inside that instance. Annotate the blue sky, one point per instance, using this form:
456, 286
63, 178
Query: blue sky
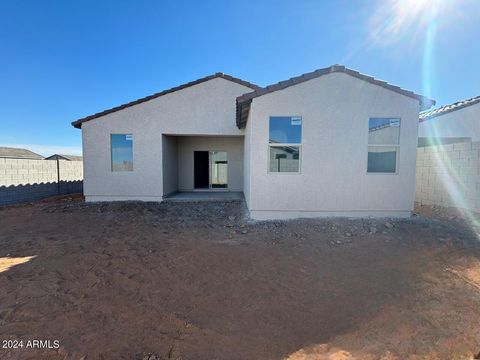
62, 60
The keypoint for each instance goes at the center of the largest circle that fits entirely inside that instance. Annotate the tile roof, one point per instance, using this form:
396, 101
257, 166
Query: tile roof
18, 153
449, 108
243, 101
78, 123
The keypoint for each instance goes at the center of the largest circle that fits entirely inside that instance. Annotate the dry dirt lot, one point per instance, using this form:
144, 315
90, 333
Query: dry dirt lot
199, 281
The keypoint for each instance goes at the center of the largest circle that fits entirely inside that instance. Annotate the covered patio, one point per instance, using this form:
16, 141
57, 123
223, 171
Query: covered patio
202, 163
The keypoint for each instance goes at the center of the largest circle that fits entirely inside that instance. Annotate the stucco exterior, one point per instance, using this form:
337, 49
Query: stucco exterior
169, 164
207, 108
335, 108
333, 179
232, 145
464, 122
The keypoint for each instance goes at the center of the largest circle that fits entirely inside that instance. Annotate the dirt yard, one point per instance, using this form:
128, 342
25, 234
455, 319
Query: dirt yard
199, 281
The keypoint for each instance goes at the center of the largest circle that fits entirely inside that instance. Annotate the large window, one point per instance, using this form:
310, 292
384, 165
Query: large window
122, 152
285, 141
383, 145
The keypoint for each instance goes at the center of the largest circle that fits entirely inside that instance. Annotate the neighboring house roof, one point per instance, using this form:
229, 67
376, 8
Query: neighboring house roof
17, 153
64, 157
449, 108
78, 123
244, 101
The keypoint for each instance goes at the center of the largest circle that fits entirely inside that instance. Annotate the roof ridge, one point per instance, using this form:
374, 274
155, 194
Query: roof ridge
445, 109
78, 123
318, 72
247, 98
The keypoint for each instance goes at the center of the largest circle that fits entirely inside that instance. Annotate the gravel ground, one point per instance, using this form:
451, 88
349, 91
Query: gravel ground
200, 281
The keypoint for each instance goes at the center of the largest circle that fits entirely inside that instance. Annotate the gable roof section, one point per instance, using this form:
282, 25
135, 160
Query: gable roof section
244, 101
18, 153
64, 157
78, 123
449, 108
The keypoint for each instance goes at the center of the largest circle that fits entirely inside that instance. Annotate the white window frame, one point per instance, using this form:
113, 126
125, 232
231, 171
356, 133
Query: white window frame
299, 145
397, 146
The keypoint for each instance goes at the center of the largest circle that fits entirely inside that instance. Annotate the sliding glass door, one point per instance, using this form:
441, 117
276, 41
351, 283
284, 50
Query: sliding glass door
218, 170
210, 170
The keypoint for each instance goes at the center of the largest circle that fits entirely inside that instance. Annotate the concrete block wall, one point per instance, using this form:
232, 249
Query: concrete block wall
23, 171
70, 170
449, 175
23, 180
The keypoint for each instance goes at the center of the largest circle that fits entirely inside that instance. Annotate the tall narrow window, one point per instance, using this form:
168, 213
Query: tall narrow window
285, 142
383, 145
122, 152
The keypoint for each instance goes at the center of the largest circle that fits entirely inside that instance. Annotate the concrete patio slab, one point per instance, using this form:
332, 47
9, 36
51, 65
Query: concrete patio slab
205, 196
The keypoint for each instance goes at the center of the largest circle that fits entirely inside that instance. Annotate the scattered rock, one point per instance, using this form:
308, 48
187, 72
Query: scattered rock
151, 357
348, 234
231, 218
388, 225
244, 231
372, 230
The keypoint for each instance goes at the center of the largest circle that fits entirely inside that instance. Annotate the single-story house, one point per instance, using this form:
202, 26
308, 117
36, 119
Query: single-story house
64, 157
18, 153
457, 122
327, 143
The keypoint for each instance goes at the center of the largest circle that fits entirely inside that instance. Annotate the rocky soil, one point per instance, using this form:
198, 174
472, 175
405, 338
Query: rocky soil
201, 281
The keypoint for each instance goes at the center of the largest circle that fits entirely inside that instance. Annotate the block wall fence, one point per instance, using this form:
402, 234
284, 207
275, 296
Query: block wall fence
23, 180
449, 175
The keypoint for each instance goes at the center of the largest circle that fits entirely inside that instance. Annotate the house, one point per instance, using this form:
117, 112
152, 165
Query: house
326, 143
18, 153
64, 157
457, 122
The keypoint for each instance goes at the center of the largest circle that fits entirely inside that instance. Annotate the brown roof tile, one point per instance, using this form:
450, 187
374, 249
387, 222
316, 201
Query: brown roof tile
245, 100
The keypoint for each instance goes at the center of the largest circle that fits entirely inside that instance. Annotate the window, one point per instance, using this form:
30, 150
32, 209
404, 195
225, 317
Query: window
383, 145
285, 141
122, 152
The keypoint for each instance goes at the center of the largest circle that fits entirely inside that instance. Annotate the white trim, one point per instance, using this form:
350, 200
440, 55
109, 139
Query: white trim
397, 157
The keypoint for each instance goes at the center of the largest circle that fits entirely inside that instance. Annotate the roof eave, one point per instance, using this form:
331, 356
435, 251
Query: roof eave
243, 110
424, 102
446, 109
78, 123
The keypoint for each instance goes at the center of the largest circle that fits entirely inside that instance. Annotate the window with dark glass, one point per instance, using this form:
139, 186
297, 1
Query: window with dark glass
122, 152
383, 145
285, 141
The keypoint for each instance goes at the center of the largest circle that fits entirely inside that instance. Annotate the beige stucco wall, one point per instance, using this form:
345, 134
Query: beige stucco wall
460, 123
247, 145
169, 164
207, 108
232, 145
335, 109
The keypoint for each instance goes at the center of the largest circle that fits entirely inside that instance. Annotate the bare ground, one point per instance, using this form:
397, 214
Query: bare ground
199, 281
